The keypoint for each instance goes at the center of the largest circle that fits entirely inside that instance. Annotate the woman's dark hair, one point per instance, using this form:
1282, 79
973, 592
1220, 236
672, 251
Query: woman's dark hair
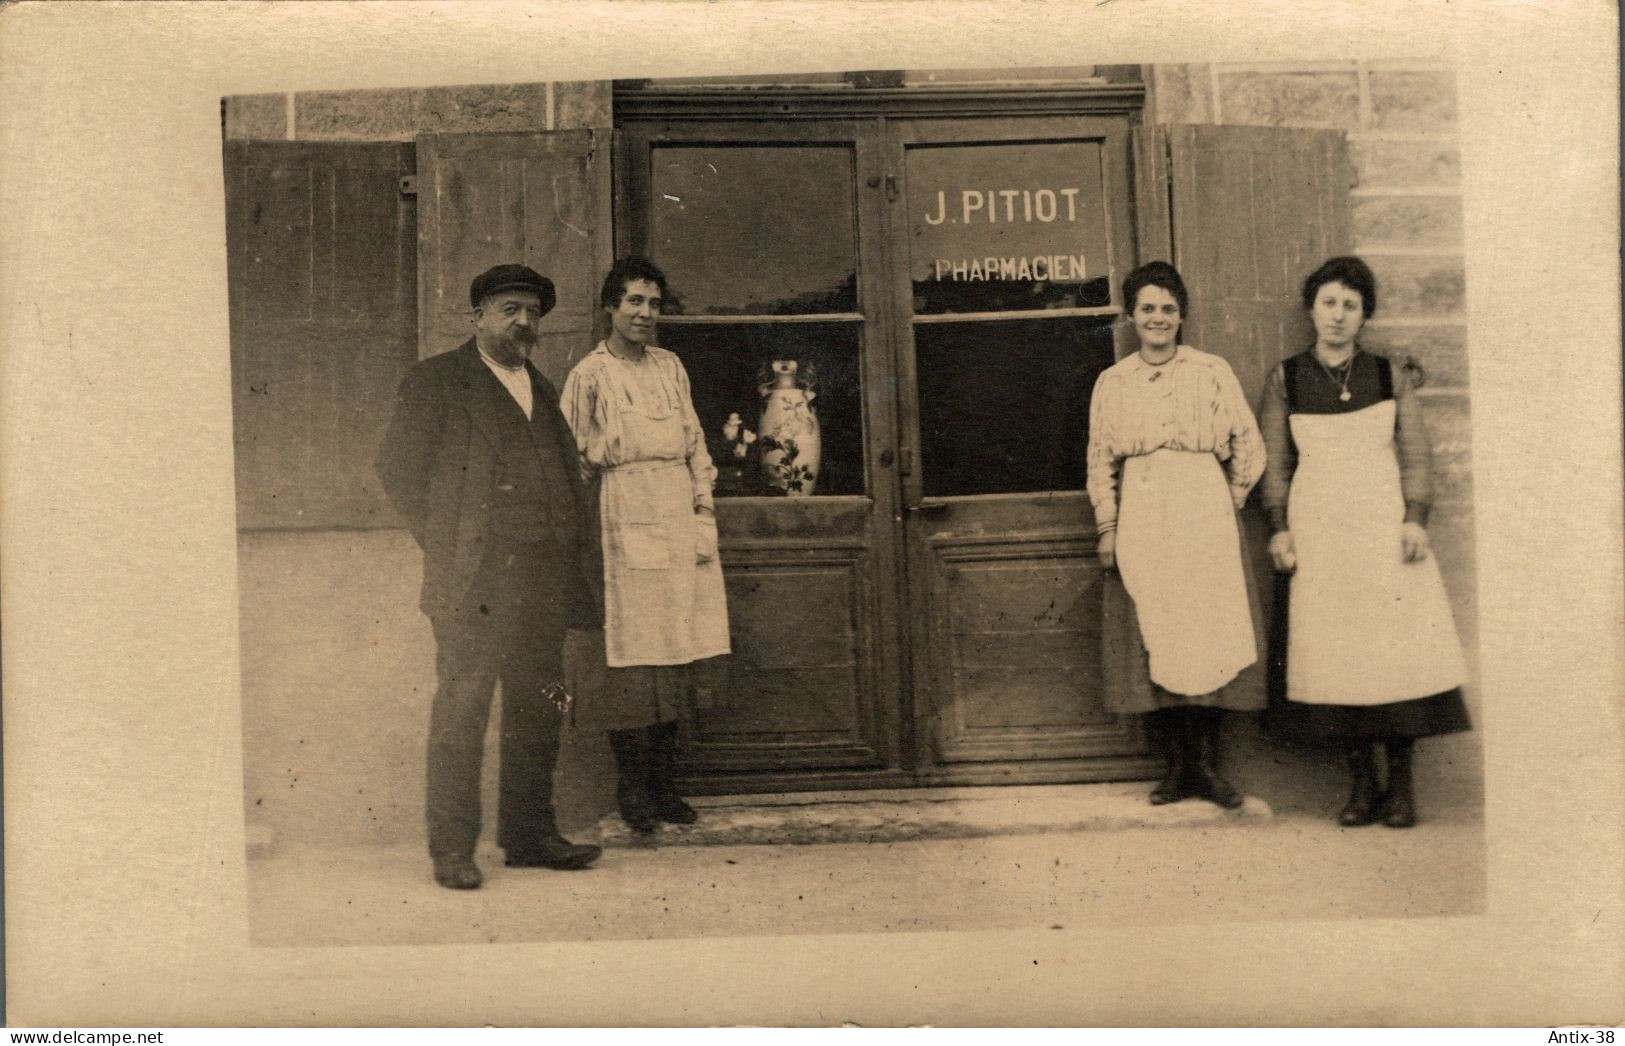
626, 270
1155, 274
1352, 273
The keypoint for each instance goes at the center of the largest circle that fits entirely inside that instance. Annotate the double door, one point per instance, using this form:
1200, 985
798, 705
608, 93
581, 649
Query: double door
927, 606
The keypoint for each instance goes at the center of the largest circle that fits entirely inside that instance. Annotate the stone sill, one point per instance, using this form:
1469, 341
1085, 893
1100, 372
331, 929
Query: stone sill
940, 813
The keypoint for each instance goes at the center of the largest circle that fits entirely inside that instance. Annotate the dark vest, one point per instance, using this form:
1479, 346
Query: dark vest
532, 495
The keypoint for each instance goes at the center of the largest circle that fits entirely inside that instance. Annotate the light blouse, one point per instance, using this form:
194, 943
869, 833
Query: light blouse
1193, 402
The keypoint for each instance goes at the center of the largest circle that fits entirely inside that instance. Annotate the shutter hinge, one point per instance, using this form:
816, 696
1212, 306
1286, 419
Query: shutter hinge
409, 185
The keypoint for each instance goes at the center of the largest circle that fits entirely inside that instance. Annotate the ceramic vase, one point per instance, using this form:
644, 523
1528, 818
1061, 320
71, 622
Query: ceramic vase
793, 447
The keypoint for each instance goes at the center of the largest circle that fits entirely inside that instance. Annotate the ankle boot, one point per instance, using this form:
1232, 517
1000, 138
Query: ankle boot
1169, 730
1399, 805
1206, 780
1363, 796
631, 750
664, 802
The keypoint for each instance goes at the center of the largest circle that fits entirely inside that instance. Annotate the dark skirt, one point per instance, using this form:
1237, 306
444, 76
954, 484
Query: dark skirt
604, 698
1126, 666
1297, 722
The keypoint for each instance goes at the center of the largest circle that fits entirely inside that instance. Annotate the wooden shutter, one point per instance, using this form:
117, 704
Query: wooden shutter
321, 271
542, 200
1253, 211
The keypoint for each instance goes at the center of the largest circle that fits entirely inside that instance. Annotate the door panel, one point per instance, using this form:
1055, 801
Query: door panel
1017, 234
801, 681
1255, 210
772, 237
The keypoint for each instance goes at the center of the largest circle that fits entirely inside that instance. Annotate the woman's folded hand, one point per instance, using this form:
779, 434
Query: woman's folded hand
1106, 549
1283, 553
1413, 538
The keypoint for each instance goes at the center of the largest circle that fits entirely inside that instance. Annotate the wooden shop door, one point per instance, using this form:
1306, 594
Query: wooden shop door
1011, 239
772, 235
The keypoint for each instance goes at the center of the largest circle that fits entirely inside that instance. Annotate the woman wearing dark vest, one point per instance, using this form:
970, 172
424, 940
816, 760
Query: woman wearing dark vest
1371, 656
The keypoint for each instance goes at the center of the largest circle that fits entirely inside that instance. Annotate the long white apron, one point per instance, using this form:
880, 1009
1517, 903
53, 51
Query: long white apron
661, 606
1180, 559
1366, 628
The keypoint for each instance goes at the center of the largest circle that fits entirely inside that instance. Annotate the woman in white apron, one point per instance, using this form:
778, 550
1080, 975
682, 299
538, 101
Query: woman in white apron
1371, 655
1173, 453
665, 613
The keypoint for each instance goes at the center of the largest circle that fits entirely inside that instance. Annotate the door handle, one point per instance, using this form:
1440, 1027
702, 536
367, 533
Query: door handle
929, 508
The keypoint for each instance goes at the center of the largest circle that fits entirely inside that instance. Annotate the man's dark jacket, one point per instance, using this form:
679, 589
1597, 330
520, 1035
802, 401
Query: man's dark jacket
442, 458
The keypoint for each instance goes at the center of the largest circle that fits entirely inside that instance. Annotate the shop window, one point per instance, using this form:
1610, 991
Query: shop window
765, 230
759, 244
728, 363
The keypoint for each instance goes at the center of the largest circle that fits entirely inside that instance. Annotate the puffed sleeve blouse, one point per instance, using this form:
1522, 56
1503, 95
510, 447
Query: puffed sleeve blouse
1191, 403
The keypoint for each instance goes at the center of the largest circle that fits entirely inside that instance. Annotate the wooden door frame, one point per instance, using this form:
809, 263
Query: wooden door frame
734, 115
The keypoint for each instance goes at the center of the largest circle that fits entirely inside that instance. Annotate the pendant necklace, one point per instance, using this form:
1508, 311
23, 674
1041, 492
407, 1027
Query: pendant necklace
1347, 369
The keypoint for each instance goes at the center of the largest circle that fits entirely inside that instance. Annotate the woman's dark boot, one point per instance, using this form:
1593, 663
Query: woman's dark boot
1363, 795
1206, 780
664, 802
1169, 729
631, 748
1399, 805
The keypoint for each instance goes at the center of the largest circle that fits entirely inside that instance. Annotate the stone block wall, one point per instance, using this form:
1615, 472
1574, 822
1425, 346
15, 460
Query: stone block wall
400, 114
1401, 123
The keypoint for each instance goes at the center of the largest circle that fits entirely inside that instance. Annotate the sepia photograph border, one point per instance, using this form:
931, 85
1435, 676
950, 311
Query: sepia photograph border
125, 871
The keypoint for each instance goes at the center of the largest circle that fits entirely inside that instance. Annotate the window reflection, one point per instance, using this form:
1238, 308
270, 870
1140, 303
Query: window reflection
755, 229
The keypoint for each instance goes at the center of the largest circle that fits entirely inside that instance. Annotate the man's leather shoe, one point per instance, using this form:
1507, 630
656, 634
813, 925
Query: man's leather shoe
556, 853
457, 873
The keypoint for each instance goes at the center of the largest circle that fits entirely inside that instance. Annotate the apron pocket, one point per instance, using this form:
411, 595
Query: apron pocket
644, 546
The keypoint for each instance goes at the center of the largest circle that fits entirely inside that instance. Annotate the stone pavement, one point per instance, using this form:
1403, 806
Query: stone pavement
1066, 857
901, 815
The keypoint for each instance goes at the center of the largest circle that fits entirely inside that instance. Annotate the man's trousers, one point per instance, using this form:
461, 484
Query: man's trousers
509, 629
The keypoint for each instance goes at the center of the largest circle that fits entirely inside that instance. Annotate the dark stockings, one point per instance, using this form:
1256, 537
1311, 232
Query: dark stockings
1190, 739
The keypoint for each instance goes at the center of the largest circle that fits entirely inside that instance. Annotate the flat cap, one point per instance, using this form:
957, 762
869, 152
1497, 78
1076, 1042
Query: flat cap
512, 278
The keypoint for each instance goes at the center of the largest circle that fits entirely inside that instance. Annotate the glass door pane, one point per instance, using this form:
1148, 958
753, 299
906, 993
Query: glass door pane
1004, 406
729, 366
1008, 227
766, 230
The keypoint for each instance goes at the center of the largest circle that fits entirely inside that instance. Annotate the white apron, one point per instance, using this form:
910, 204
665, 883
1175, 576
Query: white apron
1180, 559
661, 607
1366, 628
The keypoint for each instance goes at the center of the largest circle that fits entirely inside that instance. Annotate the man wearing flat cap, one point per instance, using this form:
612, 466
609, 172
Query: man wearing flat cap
481, 466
